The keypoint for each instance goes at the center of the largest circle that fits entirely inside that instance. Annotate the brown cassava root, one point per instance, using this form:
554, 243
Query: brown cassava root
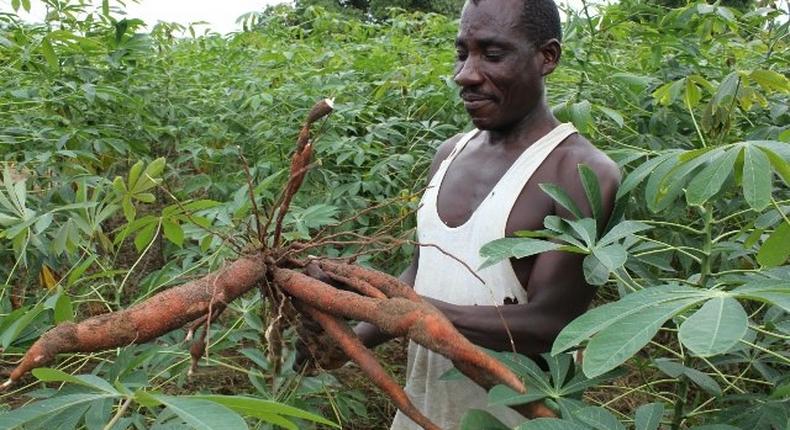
160, 314
367, 295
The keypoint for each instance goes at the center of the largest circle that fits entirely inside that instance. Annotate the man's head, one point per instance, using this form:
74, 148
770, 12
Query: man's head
505, 49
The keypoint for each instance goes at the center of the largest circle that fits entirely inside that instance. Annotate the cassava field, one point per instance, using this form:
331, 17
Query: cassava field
137, 160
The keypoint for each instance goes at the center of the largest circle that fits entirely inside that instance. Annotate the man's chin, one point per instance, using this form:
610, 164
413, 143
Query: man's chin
483, 123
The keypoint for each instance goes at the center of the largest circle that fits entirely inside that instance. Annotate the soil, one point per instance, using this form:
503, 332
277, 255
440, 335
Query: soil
380, 410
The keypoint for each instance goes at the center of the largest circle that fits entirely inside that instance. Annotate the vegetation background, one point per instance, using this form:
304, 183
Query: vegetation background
121, 154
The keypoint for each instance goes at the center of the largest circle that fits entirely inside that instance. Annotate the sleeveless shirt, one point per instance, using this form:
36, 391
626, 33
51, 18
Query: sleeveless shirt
443, 278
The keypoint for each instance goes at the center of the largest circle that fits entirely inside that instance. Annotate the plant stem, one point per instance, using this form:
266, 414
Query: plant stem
671, 224
119, 414
705, 270
137, 262
694, 120
680, 403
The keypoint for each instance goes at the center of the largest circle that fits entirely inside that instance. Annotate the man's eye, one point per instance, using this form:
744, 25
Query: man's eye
494, 55
461, 55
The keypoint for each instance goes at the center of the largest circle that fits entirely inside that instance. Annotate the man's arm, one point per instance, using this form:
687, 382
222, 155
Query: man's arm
556, 289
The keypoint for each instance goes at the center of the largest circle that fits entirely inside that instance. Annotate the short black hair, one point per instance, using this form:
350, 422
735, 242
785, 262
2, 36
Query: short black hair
540, 20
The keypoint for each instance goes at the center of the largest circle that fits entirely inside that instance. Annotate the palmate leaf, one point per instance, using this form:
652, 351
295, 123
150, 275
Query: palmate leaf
14, 324
772, 292
502, 395
648, 417
592, 190
560, 196
611, 256
633, 304
621, 231
673, 369
539, 386
666, 182
633, 179
551, 424
508, 247
90, 381
264, 409
710, 180
624, 338
715, 328
779, 164
476, 419
20, 418
595, 271
198, 413
775, 250
757, 178
598, 418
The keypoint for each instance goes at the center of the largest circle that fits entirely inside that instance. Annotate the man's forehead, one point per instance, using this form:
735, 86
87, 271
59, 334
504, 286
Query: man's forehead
490, 19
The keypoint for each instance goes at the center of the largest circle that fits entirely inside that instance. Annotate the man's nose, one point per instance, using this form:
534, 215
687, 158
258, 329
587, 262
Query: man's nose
469, 73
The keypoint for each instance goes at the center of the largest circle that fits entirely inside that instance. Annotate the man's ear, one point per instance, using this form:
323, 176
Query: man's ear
550, 52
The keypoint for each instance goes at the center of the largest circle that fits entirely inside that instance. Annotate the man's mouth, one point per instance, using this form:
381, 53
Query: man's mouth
475, 101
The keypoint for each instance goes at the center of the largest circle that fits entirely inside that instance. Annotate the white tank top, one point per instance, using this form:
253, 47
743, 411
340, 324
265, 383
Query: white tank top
443, 278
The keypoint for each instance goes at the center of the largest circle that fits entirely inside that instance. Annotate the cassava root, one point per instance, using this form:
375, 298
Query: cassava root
160, 314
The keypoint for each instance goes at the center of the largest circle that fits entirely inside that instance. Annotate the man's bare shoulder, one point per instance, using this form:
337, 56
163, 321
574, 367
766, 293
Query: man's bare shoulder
444, 150
578, 150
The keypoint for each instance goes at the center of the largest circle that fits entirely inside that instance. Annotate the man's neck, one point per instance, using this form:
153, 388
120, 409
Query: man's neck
527, 131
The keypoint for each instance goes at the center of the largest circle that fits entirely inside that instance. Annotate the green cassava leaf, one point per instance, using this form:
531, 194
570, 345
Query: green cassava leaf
770, 80
502, 395
614, 115
648, 417
252, 407
618, 342
621, 231
598, 418
174, 233
202, 414
476, 419
551, 424
772, 292
20, 418
560, 196
642, 171
779, 164
592, 190
611, 256
595, 271
757, 177
715, 328
775, 250
508, 247
90, 381
597, 319
710, 180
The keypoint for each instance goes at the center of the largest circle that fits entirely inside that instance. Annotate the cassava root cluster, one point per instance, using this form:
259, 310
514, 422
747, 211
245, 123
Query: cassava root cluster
276, 270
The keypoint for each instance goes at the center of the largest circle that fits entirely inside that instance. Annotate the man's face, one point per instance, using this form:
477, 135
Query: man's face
499, 70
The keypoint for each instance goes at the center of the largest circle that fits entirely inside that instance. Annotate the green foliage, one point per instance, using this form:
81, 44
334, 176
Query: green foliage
697, 248
383, 8
85, 401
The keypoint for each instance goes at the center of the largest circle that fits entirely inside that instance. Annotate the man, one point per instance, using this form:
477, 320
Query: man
484, 185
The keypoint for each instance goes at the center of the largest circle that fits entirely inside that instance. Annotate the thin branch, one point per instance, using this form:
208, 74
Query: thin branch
251, 190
